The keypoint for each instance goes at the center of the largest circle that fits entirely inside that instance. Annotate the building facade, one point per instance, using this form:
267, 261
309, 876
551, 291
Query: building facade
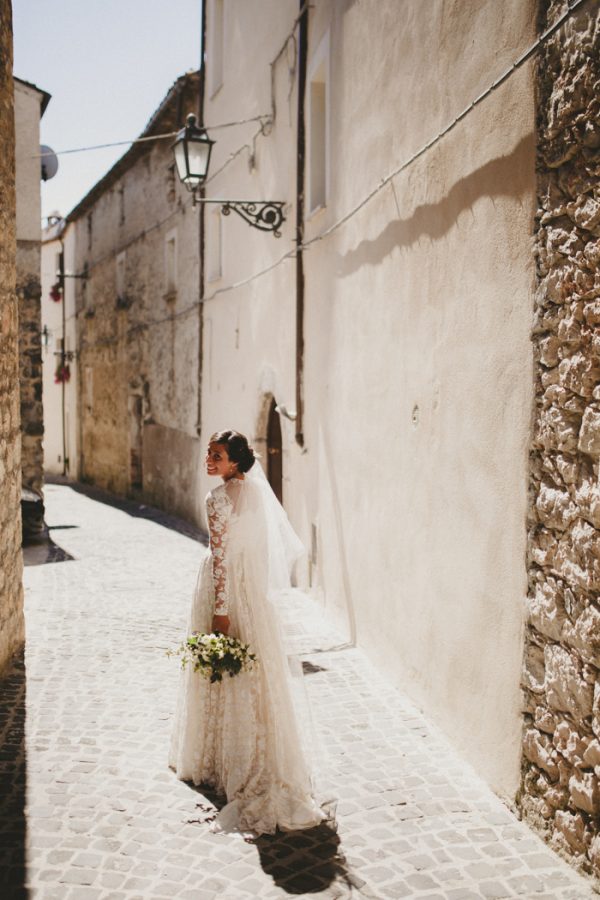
30, 104
391, 327
379, 353
12, 624
59, 351
398, 338
135, 255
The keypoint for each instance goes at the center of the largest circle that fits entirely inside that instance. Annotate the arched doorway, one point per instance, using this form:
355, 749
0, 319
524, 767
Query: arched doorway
274, 452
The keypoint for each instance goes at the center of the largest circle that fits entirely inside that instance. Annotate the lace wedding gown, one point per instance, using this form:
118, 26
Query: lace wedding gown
242, 735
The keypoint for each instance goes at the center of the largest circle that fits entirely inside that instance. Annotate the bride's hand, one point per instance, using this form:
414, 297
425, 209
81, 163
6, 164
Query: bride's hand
220, 623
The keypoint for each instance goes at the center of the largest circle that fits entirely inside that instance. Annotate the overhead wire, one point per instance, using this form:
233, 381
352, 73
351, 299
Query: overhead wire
573, 6
265, 118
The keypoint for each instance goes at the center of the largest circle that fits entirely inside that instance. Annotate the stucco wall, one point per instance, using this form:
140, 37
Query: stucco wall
55, 453
12, 624
417, 359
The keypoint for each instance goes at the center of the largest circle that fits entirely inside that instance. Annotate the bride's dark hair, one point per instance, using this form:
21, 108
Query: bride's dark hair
238, 449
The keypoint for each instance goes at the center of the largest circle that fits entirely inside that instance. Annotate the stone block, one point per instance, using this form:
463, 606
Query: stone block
544, 720
591, 757
572, 827
584, 635
587, 498
585, 792
558, 429
543, 547
546, 611
577, 556
538, 749
570, 743
594, 852
534, 670
555, 508
589, 435
548, 350
566, 686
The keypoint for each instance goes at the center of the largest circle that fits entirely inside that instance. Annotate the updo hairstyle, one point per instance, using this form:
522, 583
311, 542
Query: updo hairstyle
238, 449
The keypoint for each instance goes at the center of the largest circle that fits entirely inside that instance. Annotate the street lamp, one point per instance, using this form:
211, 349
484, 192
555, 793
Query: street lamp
192, 154
192, 148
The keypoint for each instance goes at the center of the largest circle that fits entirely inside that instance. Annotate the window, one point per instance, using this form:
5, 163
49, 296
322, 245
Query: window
89, 388
214, 262
171, 263
215, 45
122, 204
318, 128
120, 276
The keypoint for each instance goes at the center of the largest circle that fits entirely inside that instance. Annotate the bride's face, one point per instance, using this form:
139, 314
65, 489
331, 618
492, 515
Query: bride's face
217, 460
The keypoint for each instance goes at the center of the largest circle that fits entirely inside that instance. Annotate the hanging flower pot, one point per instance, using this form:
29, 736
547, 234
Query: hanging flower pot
62, 374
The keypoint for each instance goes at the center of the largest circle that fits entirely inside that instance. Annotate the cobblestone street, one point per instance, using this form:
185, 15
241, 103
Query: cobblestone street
90, 809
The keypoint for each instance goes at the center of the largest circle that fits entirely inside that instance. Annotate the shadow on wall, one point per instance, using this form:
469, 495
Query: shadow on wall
13, 775
505, 176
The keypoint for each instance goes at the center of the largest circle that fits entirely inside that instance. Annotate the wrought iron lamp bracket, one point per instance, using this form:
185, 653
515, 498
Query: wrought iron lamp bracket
266, 215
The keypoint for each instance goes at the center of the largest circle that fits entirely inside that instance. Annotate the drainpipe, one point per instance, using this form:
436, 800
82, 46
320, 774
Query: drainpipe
201, 230
63, 356
301, 152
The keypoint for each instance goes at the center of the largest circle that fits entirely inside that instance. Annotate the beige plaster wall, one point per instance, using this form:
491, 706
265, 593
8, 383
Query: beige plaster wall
418, 363
52, 319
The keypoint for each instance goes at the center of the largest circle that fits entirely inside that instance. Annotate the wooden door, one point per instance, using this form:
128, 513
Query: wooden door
274, 453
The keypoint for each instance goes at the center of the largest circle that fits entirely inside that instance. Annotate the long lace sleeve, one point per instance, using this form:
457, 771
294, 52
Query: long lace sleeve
218, 508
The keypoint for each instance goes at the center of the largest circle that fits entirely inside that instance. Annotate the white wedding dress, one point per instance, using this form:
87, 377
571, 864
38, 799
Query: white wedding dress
242, 736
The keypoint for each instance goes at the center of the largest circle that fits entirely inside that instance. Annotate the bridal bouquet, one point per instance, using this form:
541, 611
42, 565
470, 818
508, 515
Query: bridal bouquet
215, 655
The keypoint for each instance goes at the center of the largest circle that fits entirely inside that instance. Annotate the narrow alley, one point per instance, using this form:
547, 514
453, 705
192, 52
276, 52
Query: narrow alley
91, 811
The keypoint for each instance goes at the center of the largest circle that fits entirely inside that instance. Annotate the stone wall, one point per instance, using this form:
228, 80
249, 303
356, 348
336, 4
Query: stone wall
560, 791
30, 362
12, 631
138, 333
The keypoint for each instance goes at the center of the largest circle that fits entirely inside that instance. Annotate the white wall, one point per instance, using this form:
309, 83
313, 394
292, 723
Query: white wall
28, 166
52, 318
418, 362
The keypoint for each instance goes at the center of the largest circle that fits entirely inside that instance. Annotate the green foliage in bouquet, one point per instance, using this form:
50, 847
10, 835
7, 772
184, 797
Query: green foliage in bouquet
215, 655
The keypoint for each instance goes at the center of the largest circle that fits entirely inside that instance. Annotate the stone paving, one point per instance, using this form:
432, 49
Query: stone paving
89, 809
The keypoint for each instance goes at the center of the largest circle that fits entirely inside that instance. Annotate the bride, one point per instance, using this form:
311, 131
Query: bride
241, 736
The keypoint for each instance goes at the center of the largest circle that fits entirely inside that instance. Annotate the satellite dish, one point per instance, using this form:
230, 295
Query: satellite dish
49, 163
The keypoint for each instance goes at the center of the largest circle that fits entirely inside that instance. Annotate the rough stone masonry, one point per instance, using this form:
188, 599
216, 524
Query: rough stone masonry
12, 628
560, 790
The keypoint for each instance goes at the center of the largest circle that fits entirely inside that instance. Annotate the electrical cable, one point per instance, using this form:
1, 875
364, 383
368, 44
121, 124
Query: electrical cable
150, 137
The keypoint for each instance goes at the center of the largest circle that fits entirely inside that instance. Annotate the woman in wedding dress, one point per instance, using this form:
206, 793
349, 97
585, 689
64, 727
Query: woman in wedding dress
242, 736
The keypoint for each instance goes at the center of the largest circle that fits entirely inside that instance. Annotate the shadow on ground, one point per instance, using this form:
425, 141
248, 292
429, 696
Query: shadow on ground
304, 862
13, 773
44, 552
134, 508
299, 862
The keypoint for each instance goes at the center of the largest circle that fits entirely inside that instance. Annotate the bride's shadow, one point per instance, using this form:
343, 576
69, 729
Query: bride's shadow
299, 862
303, 862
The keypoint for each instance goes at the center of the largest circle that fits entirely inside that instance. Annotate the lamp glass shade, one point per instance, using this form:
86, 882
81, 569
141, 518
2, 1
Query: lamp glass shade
192, 155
